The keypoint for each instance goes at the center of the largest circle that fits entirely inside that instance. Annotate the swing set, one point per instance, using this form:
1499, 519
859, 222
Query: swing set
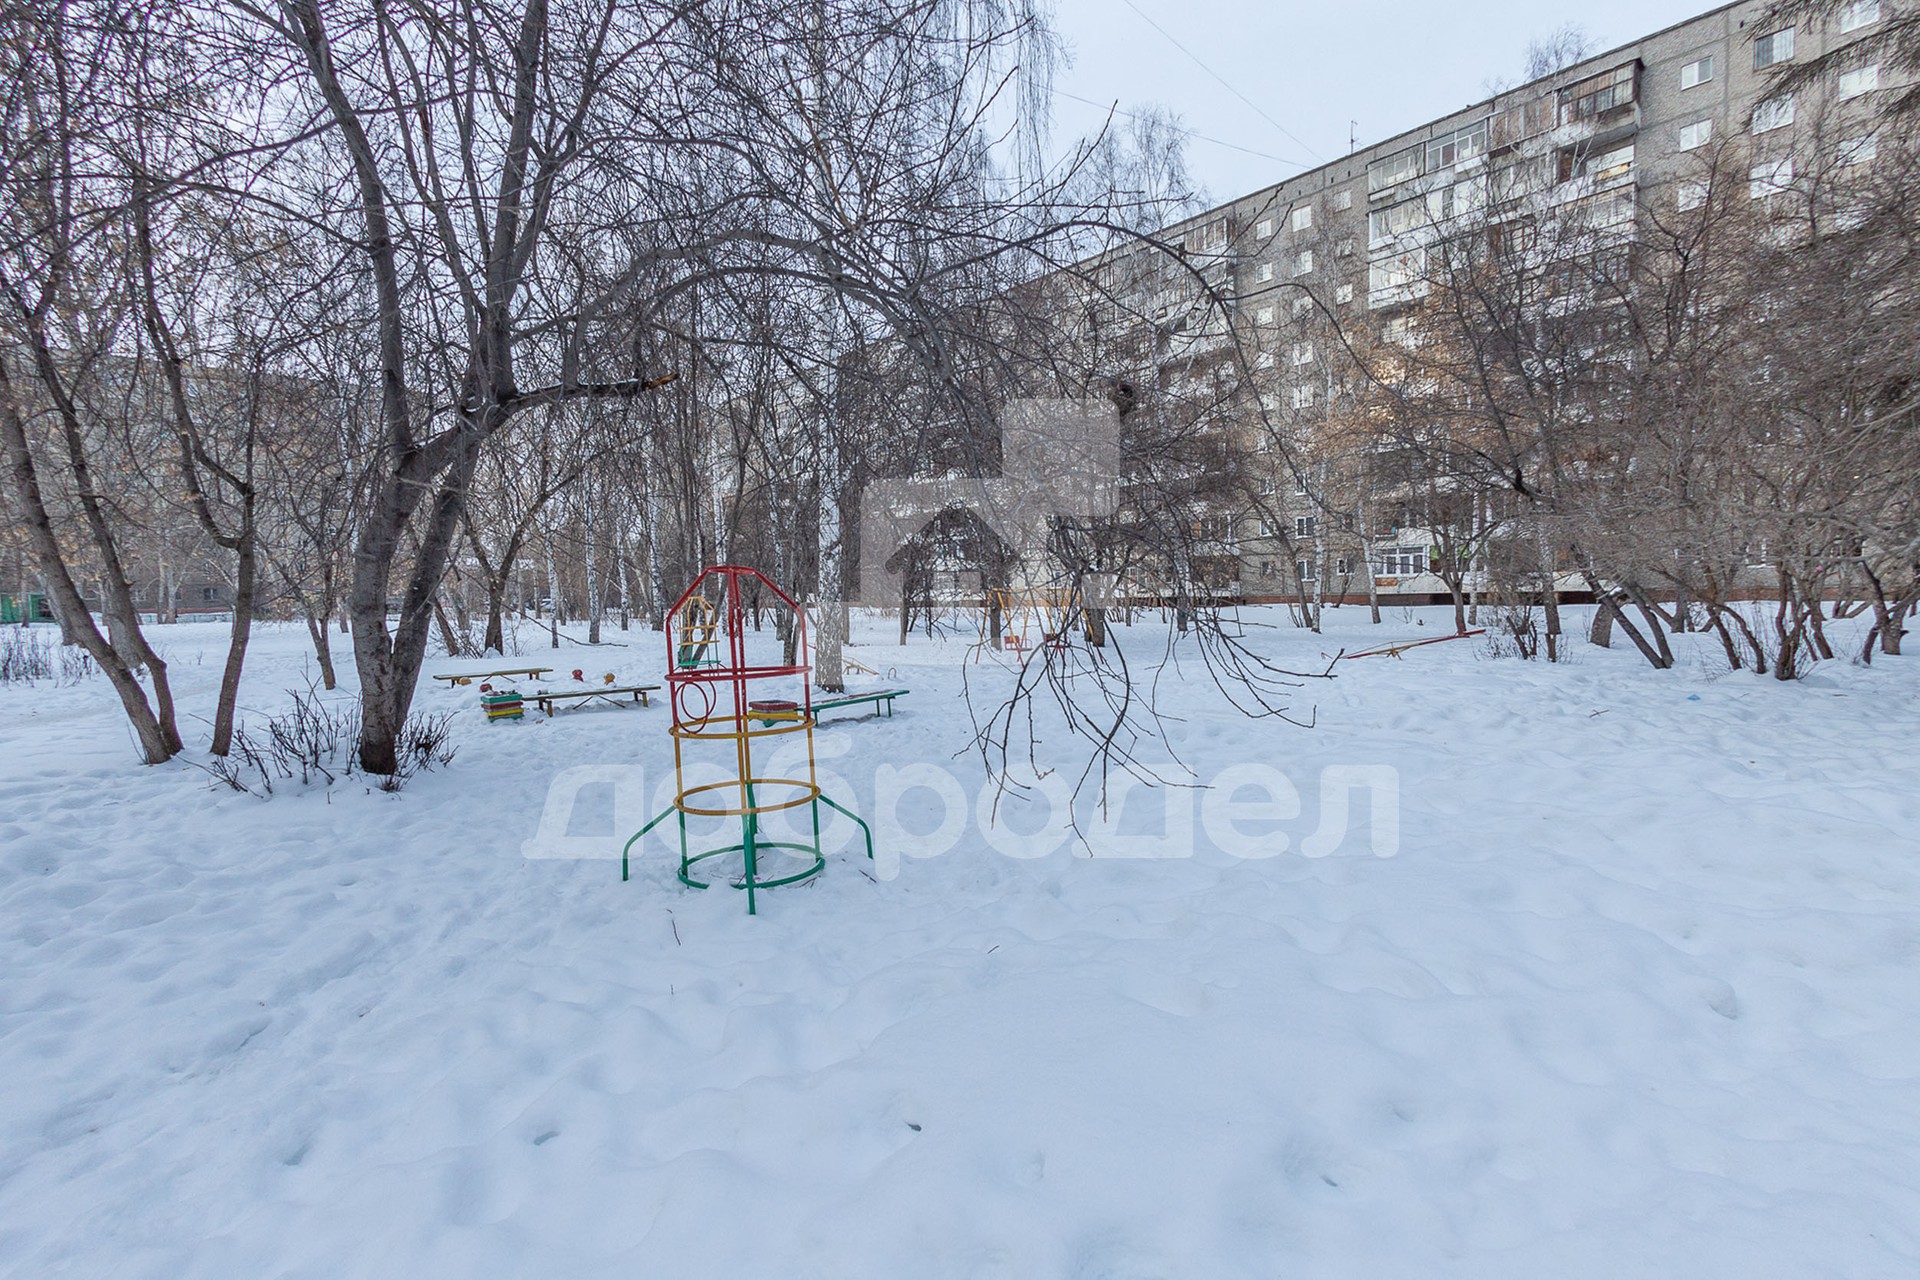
1038, 611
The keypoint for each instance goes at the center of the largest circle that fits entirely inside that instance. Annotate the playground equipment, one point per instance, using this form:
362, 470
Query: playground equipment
505, 705
1034, 616
34, 608
1395, 650
727, 706
697, 626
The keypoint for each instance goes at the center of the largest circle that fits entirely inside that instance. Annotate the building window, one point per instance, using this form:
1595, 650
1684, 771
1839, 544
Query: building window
1393, 170
1263, 229
1343, 566
1396, 219
1861, 13
1457, 147
1697, 134
1394, 279
1617, 163
1263, 273
1773, 49
1263, 316
1860, 151
1343, 293
1303, 397
1690, 195
1774, 113
1302, 305
1305, 526
1609, 209
1597, 95
1305, 569
1697, 72
206, 595
1302, 354
1267, 569
1300, 482
1343, 199
1303, 218
1770, 178
1212, 235
1303, 262
1402, 562
1859, 80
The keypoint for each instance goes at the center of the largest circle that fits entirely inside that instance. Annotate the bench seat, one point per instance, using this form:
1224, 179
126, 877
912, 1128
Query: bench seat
882, 700
637, 693
468, 677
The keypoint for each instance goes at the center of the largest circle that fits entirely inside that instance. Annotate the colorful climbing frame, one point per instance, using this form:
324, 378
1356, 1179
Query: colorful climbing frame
731, 711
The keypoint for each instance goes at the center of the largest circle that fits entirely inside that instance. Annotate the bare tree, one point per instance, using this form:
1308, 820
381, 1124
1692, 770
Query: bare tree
67, 315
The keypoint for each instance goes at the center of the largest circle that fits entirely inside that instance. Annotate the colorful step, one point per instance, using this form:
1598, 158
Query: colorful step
502, 706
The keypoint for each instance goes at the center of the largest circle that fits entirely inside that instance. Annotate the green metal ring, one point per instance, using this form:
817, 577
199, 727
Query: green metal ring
819, 862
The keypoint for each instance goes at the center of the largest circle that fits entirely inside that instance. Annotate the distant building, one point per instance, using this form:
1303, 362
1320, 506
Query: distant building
1599, 138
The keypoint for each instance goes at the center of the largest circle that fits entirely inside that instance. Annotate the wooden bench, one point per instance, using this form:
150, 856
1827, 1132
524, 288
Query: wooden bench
882, 700
546, 700
775, 710
468, 677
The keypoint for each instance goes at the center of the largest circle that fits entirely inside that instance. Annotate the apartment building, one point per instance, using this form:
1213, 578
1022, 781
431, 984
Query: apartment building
1344, 243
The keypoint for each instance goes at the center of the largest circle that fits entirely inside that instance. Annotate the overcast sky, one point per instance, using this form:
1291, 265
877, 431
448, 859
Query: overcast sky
1311, 67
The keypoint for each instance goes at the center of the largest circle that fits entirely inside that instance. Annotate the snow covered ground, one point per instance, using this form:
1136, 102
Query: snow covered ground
1636, 995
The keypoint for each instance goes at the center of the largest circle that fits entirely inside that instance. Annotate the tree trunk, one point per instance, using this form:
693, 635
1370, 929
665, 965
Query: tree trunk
1816, 623
595, 596
1726, 641
1658, 656
906, 605
1320, 567
389, 663
495, 640
1753, 641
245, 575
1601, 632
1366, 561
1650, 614
553, 596
153, 725
448, 637
1789, 628
322, 650
656, 572
624, 567
1885, 629
1549, 593
832, 632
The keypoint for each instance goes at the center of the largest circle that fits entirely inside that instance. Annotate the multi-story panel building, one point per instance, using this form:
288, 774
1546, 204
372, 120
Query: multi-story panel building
1340, 249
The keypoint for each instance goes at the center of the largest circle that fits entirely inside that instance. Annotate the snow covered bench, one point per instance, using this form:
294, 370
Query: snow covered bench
882, 700
468, 677
637, 693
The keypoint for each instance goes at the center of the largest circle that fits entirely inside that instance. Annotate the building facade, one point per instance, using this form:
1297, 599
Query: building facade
1270, 279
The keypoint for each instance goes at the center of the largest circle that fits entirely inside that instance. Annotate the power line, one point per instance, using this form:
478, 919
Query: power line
1134, 115
1223, 81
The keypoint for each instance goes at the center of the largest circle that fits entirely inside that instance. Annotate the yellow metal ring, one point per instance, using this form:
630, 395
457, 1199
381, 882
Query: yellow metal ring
697, 730
809, 792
